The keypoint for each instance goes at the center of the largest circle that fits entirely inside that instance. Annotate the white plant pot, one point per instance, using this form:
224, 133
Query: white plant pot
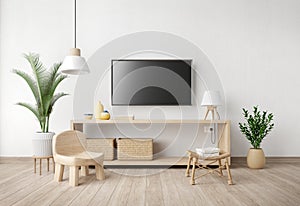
42, 144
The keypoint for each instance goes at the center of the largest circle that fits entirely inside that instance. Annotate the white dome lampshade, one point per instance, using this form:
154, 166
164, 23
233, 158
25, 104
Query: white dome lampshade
211, 98
74, 63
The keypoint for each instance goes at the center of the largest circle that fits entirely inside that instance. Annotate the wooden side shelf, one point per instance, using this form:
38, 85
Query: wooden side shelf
224, 136
147, 121
162, 161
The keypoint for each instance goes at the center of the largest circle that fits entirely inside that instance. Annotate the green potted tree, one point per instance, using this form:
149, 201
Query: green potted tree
256, 128
42, 83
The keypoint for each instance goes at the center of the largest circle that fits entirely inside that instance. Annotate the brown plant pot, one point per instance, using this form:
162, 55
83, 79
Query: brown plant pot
256, 158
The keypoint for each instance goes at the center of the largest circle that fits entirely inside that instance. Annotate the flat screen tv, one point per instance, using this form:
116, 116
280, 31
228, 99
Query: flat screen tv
151, 82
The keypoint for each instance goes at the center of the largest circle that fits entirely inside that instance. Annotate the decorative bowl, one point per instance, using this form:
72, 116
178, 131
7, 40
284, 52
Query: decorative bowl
88, 116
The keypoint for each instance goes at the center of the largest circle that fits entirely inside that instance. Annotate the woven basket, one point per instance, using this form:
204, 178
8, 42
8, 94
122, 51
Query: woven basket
135, 149
104, 145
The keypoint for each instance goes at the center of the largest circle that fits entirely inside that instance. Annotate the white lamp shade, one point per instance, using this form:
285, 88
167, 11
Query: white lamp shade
74, 65
211, 98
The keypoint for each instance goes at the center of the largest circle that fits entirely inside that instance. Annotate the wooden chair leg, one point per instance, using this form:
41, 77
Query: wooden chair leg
48, 164
74, 176
99, 172
187, 172
53, 165
41, 166
59, 172
84, 170
193, 171
228, 172
220, 168
34, 165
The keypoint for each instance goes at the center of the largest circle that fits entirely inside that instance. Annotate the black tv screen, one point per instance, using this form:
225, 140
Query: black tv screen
150, 82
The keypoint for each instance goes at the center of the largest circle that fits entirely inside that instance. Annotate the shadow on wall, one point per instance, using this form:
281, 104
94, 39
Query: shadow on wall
146, 45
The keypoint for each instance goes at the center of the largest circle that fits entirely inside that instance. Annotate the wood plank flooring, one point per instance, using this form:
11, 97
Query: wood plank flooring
277, 184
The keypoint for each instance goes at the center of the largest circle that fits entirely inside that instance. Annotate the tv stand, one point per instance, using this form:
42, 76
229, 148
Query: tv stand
224, 137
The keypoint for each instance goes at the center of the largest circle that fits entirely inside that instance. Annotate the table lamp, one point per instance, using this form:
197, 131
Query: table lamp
211, 99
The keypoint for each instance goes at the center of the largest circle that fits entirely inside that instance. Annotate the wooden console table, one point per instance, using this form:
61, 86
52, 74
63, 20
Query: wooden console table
224, 136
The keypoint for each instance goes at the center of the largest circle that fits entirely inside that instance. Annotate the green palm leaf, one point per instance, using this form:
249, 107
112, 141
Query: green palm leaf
43, 85
53, 78
52, 75
31, 83
38, 72
55, 98
32, 108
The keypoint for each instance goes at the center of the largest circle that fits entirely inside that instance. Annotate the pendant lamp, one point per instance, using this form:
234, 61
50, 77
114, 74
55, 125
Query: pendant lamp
74, 63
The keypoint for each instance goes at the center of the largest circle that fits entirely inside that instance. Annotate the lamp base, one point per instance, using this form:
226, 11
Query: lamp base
213, 110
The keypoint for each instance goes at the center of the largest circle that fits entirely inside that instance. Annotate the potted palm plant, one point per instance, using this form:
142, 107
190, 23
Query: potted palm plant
42, 83
257, 127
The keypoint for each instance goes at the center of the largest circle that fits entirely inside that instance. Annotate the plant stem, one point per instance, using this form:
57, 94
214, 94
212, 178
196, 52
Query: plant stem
43, 125
47, 124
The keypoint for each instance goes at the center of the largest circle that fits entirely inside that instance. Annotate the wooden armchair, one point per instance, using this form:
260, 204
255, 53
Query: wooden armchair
202, 163
69, 149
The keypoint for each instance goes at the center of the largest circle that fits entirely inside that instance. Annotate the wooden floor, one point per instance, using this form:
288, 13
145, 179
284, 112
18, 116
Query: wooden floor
277, 184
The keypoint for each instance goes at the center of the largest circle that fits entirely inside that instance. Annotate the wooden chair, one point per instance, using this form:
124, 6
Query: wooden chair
204, 163
69, 150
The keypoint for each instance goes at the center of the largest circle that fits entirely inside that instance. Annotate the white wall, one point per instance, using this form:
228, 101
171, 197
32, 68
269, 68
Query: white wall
253, 44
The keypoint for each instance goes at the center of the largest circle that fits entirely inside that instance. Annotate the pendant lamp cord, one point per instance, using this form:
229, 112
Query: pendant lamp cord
75, 23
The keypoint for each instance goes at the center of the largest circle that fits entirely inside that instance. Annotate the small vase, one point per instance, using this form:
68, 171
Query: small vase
256, 158
98, 110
